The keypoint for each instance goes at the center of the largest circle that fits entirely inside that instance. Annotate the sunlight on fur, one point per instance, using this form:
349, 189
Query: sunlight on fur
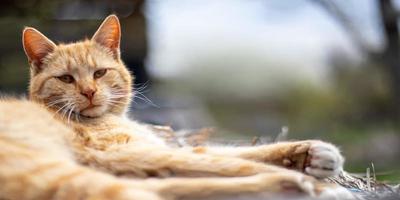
72, 139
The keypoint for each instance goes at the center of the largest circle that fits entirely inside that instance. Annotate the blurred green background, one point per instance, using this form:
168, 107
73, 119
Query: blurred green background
324, 69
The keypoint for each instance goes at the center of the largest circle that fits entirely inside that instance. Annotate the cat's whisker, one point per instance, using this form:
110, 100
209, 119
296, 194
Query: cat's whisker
65, 111
71, 108
57, 101
76, 115
119, 95
114, 101
52, 103
141, 86
61, 108
144, 98
147, 101
139, 90
142, 89
115, 104
117, 98
121, 89
133, 100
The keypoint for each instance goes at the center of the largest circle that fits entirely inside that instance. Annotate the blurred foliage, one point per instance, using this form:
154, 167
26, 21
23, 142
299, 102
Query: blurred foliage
353, 111
358, 96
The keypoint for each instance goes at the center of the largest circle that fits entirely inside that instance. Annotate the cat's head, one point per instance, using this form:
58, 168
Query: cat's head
86, 78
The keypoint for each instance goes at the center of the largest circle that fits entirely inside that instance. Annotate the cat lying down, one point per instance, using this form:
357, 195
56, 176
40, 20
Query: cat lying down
72, 140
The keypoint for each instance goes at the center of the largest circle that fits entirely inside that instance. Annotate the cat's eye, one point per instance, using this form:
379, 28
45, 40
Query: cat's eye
99, 73
66, 78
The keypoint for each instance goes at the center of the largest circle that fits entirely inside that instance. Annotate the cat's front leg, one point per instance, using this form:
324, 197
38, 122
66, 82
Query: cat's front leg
313, 157
152, 160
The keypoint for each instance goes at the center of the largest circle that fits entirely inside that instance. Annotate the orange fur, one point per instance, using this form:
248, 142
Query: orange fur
73, 138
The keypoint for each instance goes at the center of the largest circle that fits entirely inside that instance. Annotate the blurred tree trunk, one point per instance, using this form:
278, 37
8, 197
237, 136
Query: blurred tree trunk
389, 56
135, 42
391, 52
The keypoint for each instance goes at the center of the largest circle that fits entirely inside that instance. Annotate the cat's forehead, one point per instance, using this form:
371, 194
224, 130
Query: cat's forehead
85, 54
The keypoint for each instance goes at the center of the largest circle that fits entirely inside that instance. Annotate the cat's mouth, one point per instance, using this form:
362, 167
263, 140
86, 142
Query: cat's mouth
90, 106
92, 110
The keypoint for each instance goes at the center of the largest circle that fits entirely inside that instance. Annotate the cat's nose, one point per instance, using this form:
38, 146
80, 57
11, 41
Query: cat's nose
89, 93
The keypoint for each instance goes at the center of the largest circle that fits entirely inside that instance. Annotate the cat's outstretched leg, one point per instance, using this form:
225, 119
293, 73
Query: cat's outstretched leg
146, 160
177, 188
313, 157
280, 183
42, 177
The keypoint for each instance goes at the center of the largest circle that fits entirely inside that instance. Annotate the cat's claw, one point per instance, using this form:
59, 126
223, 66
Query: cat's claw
324, 160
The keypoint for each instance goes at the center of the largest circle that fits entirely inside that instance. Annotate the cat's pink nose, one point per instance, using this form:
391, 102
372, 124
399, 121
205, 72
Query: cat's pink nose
89, 93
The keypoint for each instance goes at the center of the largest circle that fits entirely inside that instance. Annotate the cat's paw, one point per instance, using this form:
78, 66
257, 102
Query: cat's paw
302, 184
287, 182
324, 160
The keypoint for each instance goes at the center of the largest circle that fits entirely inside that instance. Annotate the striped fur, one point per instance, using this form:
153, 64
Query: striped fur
65, 145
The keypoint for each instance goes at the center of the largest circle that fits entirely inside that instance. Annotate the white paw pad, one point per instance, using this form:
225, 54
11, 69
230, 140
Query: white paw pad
324, 161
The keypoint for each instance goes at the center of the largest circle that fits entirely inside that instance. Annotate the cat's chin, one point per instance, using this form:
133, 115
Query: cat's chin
92, 112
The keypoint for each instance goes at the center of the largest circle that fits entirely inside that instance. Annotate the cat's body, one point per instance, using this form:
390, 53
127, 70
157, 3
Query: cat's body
65, 143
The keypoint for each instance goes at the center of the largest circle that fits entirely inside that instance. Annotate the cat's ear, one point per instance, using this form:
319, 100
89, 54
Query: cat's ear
36, 46
109, 34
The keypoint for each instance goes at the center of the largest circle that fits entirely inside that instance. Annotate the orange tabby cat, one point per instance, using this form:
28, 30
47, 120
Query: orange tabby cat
73, 137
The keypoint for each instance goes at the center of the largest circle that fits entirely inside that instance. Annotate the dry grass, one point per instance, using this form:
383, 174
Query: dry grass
364, 187
367, 187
